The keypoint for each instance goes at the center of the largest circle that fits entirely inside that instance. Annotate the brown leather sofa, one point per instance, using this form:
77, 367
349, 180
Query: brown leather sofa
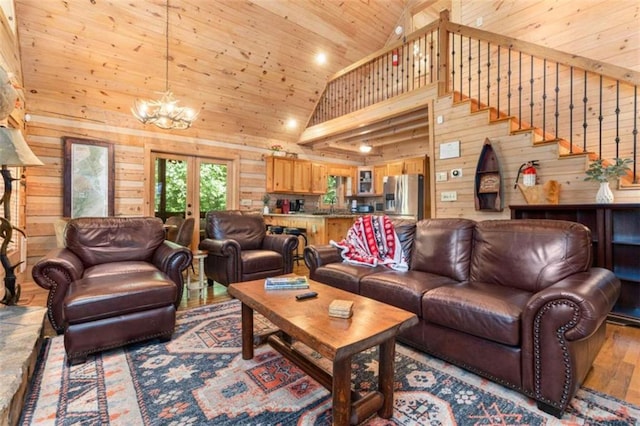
516, 301
117, 281
239, 248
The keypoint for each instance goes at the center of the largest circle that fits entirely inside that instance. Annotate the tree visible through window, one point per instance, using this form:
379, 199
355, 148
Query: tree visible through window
171, 190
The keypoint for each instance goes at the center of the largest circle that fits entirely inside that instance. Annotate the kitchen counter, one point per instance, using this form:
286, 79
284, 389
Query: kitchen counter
312, 215
320, 228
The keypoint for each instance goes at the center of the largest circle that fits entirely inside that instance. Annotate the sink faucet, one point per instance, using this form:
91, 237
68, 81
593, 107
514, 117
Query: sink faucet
331, 208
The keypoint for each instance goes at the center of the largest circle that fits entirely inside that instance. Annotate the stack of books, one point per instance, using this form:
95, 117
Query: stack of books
286, 283
341, 308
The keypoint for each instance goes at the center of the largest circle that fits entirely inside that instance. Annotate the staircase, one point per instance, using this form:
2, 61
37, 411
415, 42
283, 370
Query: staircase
588, 108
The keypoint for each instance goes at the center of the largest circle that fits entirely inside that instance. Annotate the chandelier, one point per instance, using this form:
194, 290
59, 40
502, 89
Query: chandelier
164, 113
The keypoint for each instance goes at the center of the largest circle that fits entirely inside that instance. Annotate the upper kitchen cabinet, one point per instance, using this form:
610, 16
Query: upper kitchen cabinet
292, 176
364, 181
279, 174
379, 172
409, 166
318, 178
301, 177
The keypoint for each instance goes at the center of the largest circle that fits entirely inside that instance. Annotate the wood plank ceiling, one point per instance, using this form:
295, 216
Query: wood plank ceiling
249, 66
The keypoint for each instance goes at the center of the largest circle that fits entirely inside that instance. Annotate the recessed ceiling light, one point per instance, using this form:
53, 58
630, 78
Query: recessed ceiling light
292, 123
365, 148
321, 58
399, 30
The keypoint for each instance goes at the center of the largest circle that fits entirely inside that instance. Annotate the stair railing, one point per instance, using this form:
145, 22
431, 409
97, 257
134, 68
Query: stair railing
584, 105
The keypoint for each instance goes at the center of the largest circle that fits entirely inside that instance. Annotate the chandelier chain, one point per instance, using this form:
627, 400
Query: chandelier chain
164, 113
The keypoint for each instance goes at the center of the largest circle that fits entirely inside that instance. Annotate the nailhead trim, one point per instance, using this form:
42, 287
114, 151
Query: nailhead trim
563, 345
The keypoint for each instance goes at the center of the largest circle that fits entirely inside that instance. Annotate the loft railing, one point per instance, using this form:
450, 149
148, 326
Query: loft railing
586, 106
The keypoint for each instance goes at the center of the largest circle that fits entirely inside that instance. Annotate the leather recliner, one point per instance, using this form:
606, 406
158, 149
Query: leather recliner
239, 248
116, 281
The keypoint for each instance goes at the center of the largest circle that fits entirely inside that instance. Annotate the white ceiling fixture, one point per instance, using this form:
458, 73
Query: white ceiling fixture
164, 113
365, 149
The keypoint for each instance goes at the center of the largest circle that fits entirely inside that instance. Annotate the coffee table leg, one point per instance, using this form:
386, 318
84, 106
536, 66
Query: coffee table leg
385, 377
247, 332
341, 391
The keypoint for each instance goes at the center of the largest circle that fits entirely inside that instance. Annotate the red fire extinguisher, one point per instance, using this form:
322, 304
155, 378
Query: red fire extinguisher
394, 58
529, 173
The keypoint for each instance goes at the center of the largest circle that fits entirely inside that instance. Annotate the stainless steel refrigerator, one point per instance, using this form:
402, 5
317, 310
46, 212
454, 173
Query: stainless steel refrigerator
404, 196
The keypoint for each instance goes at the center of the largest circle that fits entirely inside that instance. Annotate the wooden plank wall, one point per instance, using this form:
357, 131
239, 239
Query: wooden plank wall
44, 184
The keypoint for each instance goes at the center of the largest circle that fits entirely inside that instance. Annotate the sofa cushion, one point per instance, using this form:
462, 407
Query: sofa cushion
529, 254
343, 275
114, 239
401, 289
405, 230
260, 260
443, 247
118, 268
484, 310
91, 299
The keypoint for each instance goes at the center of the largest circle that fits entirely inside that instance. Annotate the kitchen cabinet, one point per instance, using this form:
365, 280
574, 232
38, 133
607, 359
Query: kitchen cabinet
615, 235
292, 176
301, 177
318, 178
320, 229
279, 174
379, 172
364, 181
407, 166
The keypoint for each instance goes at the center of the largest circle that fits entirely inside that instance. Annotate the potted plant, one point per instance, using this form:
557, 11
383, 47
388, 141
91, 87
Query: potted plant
265, 201
601, 172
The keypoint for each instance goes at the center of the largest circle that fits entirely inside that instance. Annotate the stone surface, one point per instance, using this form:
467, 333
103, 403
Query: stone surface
20, 340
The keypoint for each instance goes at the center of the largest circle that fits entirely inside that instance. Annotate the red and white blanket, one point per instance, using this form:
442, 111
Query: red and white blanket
372, 241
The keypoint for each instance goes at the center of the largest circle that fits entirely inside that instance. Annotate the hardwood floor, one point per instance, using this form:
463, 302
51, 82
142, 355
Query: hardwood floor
616, 369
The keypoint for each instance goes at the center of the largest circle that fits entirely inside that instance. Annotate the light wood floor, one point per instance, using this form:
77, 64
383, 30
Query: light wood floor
616, 370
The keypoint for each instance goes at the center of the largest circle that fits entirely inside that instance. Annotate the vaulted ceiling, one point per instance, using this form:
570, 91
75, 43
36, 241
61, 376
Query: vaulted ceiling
249, 66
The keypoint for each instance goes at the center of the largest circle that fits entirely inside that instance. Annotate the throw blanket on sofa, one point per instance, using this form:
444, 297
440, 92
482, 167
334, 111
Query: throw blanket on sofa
373, 241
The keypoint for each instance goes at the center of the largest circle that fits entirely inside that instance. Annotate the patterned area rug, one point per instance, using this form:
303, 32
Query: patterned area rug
199, 377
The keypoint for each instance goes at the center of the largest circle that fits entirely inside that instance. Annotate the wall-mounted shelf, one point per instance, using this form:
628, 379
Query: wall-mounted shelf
488, 184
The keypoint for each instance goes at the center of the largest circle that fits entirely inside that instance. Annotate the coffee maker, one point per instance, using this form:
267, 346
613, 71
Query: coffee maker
298, 205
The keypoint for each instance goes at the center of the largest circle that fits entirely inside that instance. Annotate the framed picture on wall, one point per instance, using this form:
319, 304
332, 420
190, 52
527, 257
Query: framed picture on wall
89, 176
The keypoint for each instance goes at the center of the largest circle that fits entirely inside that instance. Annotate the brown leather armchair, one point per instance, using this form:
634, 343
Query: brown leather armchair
241, 250
117, 281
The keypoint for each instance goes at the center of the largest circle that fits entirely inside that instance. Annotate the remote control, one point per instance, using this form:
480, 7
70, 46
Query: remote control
305, 296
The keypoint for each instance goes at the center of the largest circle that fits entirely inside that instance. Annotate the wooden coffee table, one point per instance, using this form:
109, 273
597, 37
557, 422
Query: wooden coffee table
373, 324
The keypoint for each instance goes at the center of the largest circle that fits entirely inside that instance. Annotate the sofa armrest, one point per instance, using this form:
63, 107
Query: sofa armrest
173, 259
55, 272
223, 262
559, 327
588, 297
283, 244
319, 255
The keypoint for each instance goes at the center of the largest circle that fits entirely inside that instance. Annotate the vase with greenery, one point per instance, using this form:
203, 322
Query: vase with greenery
265, 201
603, 173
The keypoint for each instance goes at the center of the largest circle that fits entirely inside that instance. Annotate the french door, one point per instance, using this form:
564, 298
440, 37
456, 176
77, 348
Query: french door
189, 186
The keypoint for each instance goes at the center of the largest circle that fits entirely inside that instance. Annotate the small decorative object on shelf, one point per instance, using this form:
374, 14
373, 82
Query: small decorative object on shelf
265, 201
286, 283
602, 172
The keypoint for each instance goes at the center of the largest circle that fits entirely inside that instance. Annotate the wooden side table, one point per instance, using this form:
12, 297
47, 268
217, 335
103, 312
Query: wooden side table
200, 256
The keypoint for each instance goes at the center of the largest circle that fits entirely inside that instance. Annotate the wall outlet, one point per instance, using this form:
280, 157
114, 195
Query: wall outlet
440, 119
456, 173
441, 177
449, 196
246, 202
